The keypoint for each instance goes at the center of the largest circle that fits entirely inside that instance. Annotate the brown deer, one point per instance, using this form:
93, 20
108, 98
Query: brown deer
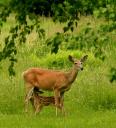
52, 80
39, 102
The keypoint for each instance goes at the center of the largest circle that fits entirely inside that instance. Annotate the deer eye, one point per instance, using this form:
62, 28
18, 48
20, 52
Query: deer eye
75, 63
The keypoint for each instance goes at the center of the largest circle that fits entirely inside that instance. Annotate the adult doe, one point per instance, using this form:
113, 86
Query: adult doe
52, 80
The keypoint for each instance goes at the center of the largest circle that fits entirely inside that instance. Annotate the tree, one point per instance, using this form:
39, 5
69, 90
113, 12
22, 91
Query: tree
30, 10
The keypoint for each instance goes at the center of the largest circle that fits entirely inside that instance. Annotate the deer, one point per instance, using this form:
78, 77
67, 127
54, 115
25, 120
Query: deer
38, 101
52, 80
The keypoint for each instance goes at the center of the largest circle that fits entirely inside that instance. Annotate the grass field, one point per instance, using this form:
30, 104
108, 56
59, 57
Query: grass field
91, 102
81, 119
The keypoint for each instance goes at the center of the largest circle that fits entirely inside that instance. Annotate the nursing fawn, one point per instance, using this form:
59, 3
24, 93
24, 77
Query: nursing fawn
38, 102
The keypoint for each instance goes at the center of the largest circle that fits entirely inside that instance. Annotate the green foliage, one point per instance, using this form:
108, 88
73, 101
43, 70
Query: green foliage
89, 39
91, 99
91, 90
55, 42
109, 12
27, 16
98, 97
113, 75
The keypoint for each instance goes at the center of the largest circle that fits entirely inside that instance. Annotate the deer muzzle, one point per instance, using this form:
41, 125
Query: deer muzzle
82, 69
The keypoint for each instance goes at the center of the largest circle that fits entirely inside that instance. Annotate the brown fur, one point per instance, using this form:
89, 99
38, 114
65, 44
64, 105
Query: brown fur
52, 80
39, 102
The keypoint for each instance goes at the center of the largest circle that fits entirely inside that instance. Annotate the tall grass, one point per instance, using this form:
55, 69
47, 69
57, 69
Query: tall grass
91, 101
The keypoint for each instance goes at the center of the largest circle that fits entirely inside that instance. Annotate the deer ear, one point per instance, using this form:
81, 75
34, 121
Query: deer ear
71, 58
84, 58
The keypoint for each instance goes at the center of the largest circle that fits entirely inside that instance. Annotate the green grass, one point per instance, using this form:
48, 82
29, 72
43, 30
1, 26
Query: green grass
106, 119
91, 102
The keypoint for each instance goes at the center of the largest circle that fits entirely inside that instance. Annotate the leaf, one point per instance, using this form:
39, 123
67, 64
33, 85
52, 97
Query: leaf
112, 15
103, 10
11, 69
112, 74
72, 29
76, 23
96, 13
70, 23
65, 29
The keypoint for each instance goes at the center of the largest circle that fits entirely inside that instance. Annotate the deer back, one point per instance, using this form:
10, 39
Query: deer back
45, 79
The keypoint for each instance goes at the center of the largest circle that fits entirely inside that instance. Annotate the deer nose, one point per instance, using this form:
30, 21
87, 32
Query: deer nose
82, 68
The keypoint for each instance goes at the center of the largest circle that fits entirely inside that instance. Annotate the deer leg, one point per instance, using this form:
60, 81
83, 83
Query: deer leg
32, 103
62, 103
28, 97
57, 100
38, 109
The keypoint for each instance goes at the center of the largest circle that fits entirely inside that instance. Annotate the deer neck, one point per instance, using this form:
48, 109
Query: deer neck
72, 74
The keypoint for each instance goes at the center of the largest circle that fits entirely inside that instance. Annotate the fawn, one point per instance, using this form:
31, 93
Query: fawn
39, 102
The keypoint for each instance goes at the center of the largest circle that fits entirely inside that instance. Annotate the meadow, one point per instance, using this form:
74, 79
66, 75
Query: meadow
91, 101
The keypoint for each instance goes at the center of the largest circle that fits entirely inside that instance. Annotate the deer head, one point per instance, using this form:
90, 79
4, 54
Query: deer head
78, 63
